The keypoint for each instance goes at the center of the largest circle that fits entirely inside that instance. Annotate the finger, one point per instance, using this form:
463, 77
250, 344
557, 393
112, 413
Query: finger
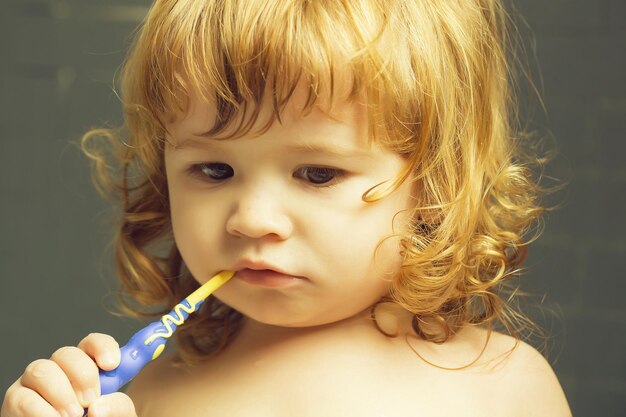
117, 404
81, 371
47, 379
20, 401
103, 349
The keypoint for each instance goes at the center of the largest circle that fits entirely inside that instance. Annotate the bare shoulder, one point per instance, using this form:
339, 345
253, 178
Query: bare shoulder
529, 379
158, 380
145, 382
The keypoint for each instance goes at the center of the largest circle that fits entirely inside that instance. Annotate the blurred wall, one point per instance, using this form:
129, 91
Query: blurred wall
580, 259
57, 62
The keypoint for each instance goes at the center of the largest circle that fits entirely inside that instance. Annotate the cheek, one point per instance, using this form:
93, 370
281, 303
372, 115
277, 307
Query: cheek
196, 228
359, 243
379, 234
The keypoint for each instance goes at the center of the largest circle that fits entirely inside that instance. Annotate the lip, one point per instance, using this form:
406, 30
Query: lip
265, 275
267, 278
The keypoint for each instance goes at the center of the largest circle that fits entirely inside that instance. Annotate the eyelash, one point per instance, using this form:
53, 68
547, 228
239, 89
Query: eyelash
197, 171
337, 175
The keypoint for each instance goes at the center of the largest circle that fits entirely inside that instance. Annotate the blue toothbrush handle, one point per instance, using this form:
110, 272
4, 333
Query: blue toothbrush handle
143, 347
134, 356
148, 343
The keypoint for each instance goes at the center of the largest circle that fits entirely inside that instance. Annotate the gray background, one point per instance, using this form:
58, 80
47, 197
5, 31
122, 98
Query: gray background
57, 61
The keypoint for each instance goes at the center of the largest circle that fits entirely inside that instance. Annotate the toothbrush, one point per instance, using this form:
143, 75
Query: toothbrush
148, 343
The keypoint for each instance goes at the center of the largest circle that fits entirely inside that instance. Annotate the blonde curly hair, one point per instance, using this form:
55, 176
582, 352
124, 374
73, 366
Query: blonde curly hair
438, 81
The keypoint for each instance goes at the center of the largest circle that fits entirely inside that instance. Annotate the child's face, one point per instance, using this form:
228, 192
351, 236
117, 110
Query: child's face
289, 200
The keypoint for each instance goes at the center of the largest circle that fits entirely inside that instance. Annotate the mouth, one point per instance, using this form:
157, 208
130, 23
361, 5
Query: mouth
264, 275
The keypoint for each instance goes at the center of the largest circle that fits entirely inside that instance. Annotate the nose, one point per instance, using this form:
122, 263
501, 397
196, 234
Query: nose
259, 214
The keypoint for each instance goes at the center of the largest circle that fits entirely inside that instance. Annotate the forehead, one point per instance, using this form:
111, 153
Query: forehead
326, 117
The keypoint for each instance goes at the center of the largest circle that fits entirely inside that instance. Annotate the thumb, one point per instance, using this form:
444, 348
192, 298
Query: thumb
117, 404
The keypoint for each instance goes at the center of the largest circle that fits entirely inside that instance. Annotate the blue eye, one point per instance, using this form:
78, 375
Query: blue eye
215, 171
319, 175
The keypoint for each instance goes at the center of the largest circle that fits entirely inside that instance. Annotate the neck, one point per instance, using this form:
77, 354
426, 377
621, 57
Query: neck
255, 334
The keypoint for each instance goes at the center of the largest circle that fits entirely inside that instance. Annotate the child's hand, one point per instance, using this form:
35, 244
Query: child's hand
68, 382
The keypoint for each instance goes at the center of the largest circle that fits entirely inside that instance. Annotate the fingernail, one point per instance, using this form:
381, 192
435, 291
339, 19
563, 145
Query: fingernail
74, 410
86, 397
108, 360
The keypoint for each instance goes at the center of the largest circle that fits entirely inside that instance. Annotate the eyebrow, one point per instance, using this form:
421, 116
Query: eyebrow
332, 150
313, 148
